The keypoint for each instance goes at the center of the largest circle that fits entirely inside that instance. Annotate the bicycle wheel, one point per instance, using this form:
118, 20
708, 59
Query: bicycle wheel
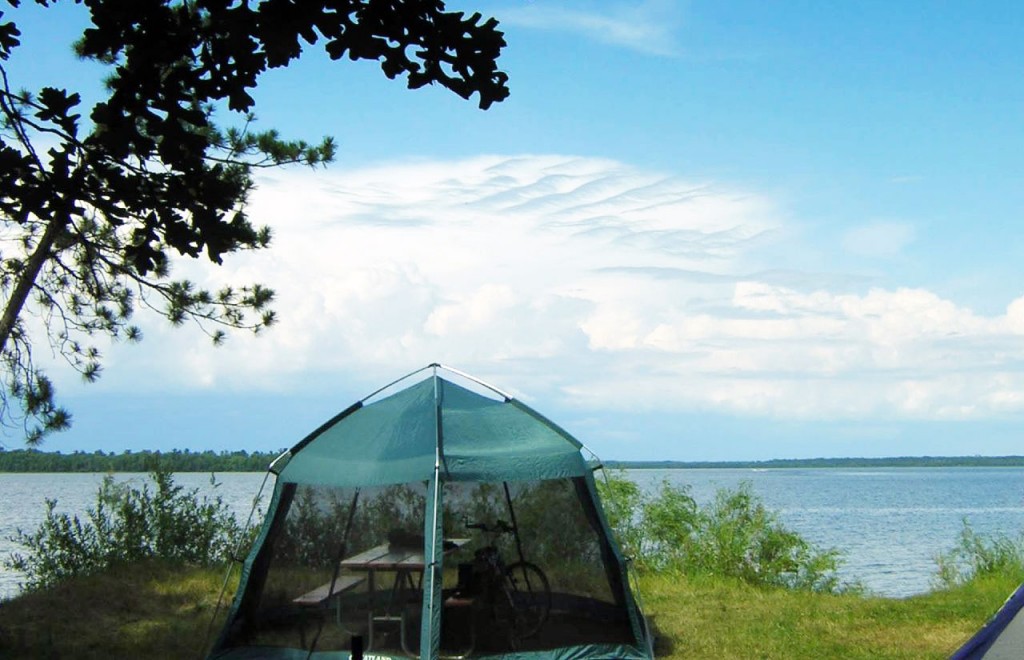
530, 593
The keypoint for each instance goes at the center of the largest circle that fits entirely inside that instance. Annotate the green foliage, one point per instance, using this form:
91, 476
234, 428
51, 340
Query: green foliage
33, 460
127, 524
313, 523
734, 535
96, 202
975, 556
320, 515
742, 538
622, 501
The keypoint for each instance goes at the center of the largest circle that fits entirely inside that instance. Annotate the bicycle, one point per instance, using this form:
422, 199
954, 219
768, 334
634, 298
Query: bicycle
517, 593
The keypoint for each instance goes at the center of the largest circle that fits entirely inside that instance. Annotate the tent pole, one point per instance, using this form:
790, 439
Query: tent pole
398, 380
337, 567
234, 559
515, 523
427, 640
503, 394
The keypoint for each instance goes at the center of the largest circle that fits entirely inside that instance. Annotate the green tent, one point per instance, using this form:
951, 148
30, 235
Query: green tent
440, 521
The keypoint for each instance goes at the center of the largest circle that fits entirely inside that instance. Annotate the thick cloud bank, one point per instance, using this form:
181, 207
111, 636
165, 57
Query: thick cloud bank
589, 281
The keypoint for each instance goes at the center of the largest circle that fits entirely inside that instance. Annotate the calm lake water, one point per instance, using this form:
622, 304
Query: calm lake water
890, 523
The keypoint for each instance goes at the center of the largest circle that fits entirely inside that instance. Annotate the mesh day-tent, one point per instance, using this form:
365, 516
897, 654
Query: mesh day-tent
435, 522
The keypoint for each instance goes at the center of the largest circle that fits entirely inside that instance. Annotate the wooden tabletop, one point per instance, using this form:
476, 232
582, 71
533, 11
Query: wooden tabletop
385, 558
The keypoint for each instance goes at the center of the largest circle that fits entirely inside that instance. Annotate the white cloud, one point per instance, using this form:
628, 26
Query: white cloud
647, 27
582, 281
471, 313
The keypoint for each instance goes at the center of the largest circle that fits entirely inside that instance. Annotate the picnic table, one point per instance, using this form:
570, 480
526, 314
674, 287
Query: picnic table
404, 562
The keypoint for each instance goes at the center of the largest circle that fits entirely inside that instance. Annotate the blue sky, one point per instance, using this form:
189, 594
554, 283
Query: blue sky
695, 231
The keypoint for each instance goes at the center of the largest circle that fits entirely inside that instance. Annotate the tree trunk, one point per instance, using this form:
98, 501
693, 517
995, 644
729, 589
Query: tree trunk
27, 278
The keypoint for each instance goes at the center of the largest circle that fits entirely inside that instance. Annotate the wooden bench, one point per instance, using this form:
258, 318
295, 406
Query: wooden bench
323, 593
320, 596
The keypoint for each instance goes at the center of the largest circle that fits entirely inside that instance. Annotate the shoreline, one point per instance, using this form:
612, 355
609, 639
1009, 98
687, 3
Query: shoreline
24, 461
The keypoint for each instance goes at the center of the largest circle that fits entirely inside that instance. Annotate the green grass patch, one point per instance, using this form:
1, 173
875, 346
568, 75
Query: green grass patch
714, 617
155, 610
150, 609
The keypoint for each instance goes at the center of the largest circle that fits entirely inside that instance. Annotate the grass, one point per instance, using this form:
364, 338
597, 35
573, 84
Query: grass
155, 610
152, 610
722, 618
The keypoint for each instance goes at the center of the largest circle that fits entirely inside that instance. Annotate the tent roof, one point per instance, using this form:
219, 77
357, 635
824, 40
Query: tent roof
399, 438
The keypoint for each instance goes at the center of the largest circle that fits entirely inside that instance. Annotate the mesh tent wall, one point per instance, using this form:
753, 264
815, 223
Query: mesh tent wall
410, 479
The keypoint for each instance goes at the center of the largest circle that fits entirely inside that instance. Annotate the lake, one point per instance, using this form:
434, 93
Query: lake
890, 523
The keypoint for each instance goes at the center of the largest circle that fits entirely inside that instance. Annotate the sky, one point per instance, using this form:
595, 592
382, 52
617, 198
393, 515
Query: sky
694, 231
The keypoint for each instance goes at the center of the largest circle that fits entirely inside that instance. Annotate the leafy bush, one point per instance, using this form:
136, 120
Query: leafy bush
734, 535
622, 501
977, 556
127, 524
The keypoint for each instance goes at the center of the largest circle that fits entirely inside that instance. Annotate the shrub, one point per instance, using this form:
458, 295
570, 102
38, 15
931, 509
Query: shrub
127, 524
976, 556
622, 500
734, 535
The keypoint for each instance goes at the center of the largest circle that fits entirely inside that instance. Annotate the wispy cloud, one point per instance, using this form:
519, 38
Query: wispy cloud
648, 27
586, 282
905, 179
879, 240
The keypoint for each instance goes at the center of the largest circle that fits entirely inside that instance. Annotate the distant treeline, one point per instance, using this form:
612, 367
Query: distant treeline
183, 460
895, 461
32, 460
